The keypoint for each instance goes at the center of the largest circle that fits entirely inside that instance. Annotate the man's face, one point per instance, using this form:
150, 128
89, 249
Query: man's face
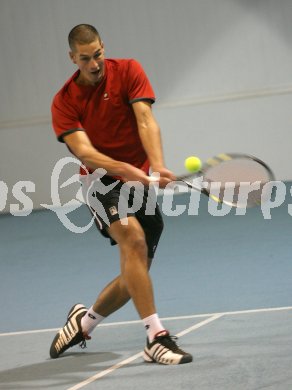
90, 60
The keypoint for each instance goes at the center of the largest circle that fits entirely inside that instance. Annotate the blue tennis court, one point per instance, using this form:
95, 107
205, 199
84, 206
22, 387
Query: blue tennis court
223, 284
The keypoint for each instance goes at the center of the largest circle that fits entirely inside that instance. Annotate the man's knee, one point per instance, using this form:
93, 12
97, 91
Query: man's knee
130, 235
136, 240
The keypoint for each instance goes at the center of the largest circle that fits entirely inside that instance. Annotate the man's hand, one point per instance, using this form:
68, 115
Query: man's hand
132, 173
162, 175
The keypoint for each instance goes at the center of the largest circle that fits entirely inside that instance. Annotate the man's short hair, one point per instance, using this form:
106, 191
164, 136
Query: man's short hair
82, 34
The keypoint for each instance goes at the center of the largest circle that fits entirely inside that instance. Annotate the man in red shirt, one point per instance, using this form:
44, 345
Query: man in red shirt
103, 114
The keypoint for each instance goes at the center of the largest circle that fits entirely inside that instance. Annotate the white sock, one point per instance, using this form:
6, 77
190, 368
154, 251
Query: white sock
90, 320
153, 326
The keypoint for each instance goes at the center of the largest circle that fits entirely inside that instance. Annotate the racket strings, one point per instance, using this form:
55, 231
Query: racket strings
238, 182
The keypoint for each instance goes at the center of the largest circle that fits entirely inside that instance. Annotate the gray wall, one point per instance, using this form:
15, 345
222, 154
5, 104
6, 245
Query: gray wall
221, 70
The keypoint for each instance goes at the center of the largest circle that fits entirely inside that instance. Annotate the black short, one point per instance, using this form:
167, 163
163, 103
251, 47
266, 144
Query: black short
110, 200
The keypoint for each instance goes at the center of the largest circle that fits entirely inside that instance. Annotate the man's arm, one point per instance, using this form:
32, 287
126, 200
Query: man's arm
80, 145
149, 132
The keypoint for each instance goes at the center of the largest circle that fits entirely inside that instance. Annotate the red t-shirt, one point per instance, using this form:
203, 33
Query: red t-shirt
105, 112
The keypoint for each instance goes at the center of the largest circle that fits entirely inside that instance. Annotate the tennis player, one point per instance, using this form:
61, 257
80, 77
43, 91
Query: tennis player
103, 114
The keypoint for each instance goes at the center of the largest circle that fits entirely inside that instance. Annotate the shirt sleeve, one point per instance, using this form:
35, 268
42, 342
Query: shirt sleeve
64, 118
139, 87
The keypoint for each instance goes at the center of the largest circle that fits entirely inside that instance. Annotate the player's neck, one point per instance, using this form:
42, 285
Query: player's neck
80, 80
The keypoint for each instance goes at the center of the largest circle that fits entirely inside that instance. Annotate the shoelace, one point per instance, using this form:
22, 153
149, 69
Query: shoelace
83, 342
82, 345
170, 341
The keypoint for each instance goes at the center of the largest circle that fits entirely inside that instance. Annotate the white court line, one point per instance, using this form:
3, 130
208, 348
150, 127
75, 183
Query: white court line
106, 372
138, 355
226, 313
199, 325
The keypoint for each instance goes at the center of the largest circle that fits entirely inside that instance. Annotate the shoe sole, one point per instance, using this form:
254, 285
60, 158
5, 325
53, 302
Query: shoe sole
185, 359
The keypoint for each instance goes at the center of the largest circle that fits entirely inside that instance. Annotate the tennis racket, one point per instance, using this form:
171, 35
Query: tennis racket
237, 180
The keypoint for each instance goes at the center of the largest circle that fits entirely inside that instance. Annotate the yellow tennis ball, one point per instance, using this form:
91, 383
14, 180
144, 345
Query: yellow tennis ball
193, 164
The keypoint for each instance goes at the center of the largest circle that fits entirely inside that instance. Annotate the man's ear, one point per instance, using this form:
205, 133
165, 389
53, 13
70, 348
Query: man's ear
72, 57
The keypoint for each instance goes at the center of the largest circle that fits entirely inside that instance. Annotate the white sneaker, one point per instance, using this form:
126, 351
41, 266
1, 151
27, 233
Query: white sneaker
164, 350
71, 334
